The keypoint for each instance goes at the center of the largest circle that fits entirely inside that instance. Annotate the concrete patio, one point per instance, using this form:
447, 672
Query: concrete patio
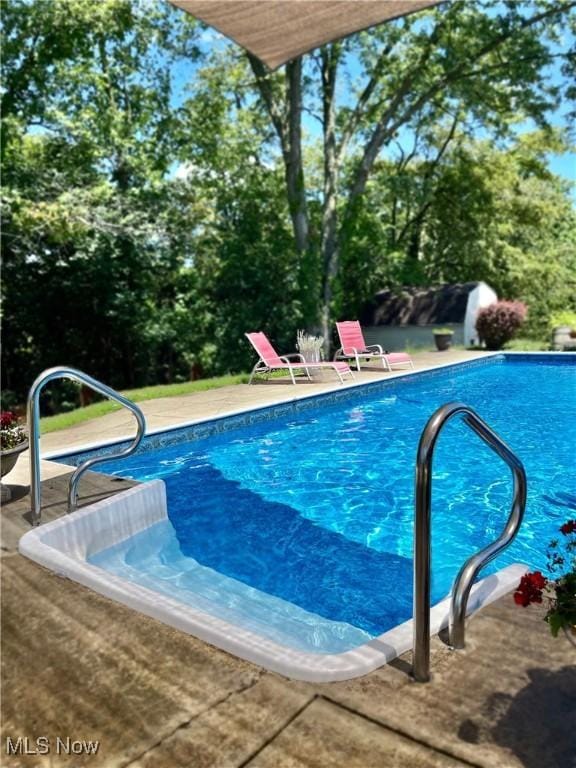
77, 665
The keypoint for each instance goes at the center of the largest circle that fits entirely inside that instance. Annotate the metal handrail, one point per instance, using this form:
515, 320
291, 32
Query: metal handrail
422, 544
33, 416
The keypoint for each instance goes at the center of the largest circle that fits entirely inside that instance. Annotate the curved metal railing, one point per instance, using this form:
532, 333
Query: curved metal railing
422, 549
33, 416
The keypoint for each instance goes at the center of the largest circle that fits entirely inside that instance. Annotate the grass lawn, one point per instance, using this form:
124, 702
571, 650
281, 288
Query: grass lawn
70, 418
520, 344
525, 344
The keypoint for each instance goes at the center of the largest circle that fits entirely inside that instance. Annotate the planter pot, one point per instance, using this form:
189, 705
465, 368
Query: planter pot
443, 341
562, 338
313, 357
9, 458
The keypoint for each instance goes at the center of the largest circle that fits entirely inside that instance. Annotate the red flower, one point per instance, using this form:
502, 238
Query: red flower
558, 591
537, 579
7, 419
530, 589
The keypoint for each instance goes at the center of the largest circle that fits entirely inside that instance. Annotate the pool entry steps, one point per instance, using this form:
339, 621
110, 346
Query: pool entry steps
71, 547
33, 417
422, 533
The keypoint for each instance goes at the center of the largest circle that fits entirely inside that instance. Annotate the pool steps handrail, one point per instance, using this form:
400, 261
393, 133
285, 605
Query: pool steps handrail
422, 540
33, 417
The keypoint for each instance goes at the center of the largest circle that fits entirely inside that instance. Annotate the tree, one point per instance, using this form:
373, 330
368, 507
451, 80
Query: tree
144, 232
90, 210
245, 266
486, 213
482, 63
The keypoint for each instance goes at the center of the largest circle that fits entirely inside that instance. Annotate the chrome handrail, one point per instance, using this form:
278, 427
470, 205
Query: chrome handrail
422, 544
33, 416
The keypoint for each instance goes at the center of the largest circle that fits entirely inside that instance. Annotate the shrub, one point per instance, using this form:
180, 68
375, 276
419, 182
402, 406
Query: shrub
559, 319
499, 322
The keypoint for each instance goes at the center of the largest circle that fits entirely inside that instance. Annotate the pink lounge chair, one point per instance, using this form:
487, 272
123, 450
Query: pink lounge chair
270, 360
354, 347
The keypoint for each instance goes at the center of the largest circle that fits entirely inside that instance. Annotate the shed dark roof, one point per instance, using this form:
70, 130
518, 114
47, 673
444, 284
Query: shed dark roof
418, 306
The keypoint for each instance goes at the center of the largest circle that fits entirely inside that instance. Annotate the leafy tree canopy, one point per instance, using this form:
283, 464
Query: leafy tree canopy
144, 231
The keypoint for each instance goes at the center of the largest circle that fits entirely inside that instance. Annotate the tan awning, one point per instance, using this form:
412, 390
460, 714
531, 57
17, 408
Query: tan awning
278, 30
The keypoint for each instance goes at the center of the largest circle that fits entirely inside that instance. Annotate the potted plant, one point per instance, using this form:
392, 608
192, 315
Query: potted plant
310, 347
559, 589
443, 338
563, 330
13, 440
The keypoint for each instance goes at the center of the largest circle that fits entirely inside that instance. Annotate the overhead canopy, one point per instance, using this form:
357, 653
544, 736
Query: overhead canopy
279, 30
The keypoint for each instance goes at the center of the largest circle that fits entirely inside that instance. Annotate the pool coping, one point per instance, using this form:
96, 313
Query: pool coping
210, 424
64, 545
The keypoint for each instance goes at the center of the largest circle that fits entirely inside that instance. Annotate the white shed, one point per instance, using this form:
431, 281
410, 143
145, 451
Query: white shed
406, 317
480, 296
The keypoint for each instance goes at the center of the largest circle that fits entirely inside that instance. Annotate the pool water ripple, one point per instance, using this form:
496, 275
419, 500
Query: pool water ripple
317, 512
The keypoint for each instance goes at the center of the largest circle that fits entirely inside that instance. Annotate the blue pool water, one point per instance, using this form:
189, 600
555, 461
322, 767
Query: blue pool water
301, 528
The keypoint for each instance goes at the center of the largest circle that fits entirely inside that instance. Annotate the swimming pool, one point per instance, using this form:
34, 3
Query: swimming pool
296, 523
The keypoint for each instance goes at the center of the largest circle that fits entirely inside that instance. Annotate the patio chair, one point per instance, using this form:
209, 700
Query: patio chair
353, 347
270, 360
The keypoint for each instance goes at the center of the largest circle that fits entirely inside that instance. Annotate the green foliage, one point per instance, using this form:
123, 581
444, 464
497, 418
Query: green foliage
465, 68
93, 226
111, 262
246, 267
147, 227
558, 591
490, 214
527, 344
500, 322
567, 318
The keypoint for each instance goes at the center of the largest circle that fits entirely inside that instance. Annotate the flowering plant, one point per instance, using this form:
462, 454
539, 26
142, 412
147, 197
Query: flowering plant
12, 434
559, 591
499, 322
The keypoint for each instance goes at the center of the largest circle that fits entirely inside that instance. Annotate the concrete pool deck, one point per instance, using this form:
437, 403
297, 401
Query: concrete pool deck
78, 666
169, 411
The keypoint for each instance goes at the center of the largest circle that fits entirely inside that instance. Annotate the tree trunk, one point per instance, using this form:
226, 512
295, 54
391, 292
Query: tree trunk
329, 241
286, 117
293, 157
